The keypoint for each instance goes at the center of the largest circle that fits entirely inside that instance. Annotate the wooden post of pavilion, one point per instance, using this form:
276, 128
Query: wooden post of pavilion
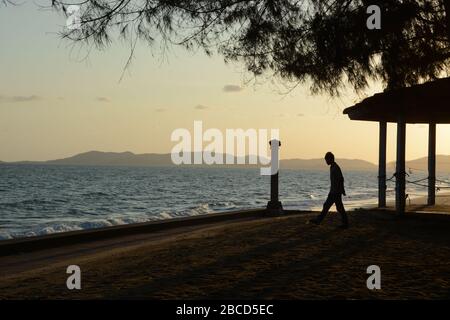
431, 164
400, 172
382, 166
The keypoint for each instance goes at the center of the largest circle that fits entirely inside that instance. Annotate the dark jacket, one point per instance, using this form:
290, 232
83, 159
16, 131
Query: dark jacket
336, 179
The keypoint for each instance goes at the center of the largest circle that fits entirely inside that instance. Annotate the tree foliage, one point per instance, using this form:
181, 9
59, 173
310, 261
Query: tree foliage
325, 42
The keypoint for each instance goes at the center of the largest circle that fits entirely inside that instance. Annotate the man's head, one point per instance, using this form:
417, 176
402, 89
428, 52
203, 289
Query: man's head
329, 158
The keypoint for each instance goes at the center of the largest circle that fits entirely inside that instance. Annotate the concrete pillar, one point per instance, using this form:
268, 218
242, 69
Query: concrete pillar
274, 206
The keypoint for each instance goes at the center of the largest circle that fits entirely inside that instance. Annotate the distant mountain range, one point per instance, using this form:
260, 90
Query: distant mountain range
98, 158
421, 164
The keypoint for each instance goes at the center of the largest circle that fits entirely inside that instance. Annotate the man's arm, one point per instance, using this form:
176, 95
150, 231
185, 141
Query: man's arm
341, 181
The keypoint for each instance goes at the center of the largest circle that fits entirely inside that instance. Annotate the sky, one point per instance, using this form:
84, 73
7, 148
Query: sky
57, 100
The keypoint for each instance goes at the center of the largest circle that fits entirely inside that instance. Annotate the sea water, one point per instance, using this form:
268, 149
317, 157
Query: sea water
41, 199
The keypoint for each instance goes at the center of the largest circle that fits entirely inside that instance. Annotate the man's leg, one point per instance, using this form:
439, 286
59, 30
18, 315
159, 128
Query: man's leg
326, 206
340, 208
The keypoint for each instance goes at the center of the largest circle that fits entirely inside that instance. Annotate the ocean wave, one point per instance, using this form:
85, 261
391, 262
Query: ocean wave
222, 205
95, 194
44, 230
27, 202
73, 226
101, 223
5, 236
165, 215
200, 209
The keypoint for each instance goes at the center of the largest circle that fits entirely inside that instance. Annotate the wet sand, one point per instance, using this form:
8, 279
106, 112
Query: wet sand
258, 258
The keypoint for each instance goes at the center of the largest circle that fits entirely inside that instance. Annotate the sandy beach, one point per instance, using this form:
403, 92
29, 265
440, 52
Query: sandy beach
259, 258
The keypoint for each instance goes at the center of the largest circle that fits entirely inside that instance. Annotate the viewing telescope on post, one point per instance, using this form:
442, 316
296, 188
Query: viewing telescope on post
274, 206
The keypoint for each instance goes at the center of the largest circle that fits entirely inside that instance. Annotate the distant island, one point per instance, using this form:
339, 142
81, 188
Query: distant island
98, 158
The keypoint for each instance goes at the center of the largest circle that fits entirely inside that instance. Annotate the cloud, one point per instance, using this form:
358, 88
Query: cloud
103, 99
300, 115
201, 107
160, 110
14, 99
232, 88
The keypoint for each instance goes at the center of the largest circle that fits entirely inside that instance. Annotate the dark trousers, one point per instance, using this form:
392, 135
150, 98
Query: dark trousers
337, 200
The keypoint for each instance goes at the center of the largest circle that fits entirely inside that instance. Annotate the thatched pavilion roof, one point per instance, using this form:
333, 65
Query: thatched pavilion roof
423, 103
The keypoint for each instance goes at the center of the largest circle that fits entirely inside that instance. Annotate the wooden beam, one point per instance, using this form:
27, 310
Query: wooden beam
400, 195
382, 166
431, 164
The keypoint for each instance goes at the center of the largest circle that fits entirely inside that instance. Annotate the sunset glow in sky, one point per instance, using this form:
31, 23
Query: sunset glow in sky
54, 103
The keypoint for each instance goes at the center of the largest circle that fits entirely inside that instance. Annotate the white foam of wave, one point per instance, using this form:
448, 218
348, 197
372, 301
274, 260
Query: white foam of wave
165, 215
101, 223
201, 209
5, 236
74, 226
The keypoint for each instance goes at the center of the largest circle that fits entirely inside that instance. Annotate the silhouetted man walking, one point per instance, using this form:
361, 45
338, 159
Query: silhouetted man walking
336, 192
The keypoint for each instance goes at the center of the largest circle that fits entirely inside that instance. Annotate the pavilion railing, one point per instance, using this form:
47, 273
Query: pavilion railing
440, 184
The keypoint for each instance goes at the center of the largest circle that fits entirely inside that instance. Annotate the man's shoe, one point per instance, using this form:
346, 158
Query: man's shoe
314, 221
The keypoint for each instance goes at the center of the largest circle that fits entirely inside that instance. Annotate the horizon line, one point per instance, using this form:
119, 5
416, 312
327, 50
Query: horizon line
169, 153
